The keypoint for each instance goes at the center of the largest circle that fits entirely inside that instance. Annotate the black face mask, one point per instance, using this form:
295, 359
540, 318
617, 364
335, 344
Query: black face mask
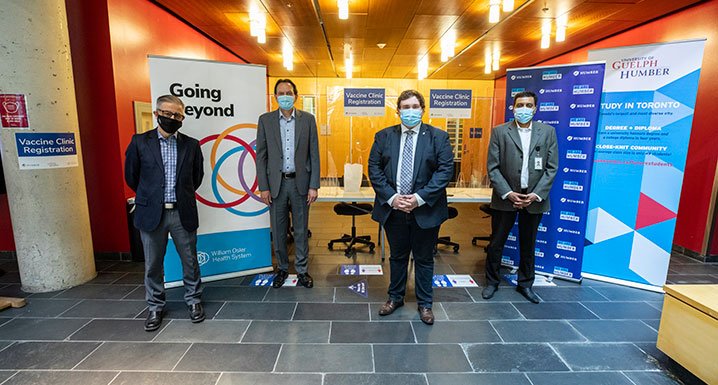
169, 125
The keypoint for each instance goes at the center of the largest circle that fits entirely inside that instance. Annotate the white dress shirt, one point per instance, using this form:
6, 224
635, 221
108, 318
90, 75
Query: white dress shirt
525, 135
415, 134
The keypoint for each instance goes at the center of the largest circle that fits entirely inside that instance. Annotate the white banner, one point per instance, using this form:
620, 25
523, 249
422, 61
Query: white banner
646, 117
222, 104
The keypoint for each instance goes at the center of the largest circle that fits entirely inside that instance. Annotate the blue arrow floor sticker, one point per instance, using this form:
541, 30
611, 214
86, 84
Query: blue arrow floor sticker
360, 288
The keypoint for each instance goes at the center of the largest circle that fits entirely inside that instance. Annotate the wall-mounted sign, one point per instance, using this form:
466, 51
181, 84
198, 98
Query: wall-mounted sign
13, 111
40, 150
450, 104
364, 101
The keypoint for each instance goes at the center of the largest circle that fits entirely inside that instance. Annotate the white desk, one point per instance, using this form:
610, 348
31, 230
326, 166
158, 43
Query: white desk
366, 195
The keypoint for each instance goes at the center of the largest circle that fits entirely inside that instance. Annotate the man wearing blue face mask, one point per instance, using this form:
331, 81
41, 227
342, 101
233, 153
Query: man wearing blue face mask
410, 165
522, 164
288, 177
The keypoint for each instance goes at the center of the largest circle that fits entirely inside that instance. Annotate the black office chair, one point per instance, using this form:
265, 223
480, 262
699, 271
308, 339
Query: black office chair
489, 211
446, 241
353, 209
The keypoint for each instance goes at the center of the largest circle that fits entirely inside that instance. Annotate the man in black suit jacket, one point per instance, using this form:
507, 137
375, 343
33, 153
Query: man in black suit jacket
410, 165
164, 168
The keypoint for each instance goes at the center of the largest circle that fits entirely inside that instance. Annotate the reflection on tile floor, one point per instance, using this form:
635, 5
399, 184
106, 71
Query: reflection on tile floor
591, 333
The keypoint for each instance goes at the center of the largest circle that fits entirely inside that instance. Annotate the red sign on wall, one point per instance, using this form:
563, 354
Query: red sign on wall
13, 111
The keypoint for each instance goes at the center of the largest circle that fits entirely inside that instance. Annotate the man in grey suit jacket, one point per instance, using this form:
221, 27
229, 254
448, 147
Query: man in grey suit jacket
288, 176
522, 164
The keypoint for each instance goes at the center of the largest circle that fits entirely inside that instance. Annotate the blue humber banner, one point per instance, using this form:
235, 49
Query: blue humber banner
569, 99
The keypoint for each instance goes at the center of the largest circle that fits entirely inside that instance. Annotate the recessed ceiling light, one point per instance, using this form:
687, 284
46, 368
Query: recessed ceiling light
381, 45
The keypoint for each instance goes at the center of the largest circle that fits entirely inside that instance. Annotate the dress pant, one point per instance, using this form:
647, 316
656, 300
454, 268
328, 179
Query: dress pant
501, 224
155, 246
405, 237
288, 199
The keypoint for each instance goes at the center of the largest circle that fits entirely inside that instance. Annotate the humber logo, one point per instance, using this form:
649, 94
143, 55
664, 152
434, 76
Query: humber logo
582, 89
563, 245
585, 105
548, 107
575, 154
515, 91
579, 122
571, 185
551, 75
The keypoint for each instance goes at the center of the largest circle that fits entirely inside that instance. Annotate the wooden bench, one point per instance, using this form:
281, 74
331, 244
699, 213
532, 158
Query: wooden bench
6, 302
689, 329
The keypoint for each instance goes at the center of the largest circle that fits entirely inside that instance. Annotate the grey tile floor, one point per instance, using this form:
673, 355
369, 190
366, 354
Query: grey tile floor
591, 333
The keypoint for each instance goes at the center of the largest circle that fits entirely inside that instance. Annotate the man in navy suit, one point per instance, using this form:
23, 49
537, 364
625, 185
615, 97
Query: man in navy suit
410, 165
164, 168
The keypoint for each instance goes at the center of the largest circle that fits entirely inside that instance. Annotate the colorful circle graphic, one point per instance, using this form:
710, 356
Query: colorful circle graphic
245, 191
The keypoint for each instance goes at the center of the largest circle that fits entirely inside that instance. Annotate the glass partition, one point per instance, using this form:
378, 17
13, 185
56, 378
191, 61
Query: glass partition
348, 139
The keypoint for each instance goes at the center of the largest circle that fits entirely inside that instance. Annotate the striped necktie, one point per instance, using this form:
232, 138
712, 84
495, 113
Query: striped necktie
407, 164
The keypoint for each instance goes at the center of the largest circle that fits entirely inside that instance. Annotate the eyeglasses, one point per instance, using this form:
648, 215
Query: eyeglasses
171, 115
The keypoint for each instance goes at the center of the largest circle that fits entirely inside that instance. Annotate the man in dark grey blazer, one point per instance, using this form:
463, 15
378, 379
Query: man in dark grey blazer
164, 168
288, 174
410, 165
522, 164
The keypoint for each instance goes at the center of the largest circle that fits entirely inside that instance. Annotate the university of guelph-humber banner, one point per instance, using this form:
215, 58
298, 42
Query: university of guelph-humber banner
641, 148
222, 104
568, 99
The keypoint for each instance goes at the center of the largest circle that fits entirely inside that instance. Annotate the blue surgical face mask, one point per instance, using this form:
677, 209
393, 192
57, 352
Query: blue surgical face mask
285, 101
410, 116
524, 114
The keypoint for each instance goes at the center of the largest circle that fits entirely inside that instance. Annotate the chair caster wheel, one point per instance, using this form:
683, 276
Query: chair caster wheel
456, 250
473, 242
330, 246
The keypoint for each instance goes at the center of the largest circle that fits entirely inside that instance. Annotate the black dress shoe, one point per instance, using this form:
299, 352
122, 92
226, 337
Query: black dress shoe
306, 280
389, 307
279, 279
489, 291
153, 321
528, 293
426, 315
196, 313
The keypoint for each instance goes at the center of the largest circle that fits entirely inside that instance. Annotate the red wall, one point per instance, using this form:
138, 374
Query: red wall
110, 41
139, 28
94, 88
695, 22
6, 239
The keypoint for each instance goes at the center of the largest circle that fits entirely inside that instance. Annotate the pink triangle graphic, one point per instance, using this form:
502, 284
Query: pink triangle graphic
651, 212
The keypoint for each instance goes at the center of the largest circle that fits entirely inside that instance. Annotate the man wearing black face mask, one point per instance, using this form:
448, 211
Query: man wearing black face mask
164, 168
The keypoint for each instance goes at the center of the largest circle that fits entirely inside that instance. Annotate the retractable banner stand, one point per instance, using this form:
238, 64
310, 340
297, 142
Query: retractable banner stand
646, 116
222, 104
568, 99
